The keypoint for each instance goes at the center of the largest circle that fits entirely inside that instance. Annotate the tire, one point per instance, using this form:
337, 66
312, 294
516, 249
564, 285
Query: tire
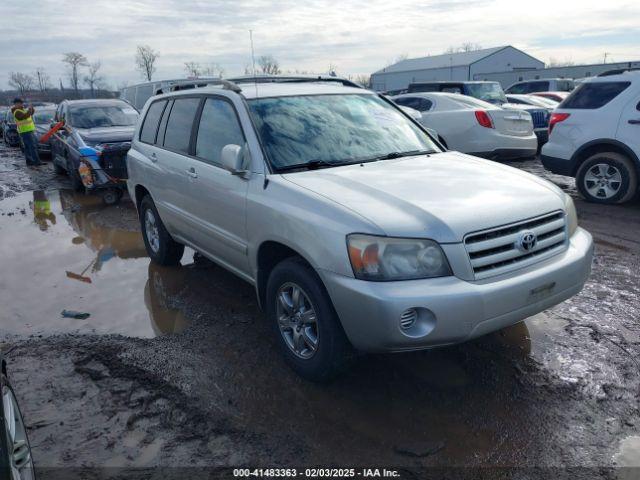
57, 168
332, 351
112, 196
74, 175
162, 249
18, 445
614, 168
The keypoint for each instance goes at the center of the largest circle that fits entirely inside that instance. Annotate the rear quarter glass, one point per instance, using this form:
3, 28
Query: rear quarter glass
589, 96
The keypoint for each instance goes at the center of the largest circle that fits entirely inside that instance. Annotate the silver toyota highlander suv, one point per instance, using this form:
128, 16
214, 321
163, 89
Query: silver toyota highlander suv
358, 231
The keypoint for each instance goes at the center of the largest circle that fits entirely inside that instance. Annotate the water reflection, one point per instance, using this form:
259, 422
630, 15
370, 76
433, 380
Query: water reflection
42, 213
160, 296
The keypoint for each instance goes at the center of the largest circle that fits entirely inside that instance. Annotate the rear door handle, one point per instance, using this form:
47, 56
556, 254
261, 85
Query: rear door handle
192, 173
634, 122
153, 156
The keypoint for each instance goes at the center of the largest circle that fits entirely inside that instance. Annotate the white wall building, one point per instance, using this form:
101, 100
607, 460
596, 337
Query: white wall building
454, 66
508, 78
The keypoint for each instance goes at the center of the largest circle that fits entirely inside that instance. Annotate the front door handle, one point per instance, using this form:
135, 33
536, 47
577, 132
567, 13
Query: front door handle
154, 157
192, 173
634, 121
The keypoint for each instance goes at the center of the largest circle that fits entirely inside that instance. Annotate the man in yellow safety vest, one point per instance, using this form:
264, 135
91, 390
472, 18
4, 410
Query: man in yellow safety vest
26, 128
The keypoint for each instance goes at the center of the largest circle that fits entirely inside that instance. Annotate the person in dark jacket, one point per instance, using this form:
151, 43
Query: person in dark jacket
26, 128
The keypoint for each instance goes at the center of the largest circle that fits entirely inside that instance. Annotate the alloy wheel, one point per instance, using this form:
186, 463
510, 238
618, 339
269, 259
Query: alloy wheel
297, 320
603, 180
20, 452
151, 230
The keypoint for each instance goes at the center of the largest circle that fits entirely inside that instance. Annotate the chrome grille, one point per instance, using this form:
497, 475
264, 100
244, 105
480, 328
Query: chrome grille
495, 251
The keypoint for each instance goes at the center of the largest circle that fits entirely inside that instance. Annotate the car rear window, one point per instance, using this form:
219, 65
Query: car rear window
178, 134
593, 95
150, 125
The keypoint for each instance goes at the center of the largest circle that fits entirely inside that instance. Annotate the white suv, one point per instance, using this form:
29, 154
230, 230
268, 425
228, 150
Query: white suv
594, 136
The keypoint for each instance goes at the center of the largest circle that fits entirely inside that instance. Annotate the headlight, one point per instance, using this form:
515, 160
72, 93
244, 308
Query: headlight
385, 258
572, 215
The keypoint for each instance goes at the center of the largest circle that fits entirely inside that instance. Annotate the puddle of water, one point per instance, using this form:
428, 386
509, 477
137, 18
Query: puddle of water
628, 454
62, 250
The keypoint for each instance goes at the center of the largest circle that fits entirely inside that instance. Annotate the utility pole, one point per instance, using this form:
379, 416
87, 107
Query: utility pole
606, 54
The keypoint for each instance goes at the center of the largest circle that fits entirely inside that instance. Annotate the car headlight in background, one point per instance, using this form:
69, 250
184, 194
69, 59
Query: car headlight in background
572, 215
386, 258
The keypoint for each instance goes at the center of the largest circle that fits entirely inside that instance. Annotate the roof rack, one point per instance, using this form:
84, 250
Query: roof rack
198, 83
617, 71
293, 79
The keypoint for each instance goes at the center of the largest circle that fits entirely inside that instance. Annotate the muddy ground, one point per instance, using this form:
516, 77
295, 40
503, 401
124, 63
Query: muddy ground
177, 367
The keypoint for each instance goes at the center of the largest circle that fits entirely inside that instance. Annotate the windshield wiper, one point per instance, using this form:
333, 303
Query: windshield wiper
393, 155
312, 165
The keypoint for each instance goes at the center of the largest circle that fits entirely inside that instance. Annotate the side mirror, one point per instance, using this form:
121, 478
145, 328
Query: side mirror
232, 159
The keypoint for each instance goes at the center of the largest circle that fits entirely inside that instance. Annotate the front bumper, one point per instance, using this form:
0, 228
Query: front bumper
452, 310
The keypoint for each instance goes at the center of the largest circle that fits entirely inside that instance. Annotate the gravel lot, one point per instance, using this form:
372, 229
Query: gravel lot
177, 367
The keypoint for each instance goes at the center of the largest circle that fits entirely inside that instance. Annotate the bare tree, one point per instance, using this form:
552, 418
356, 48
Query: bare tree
469, 47
554, 62
332, 69
146, 61
193, 69
42, 79
93, 79
364, 80
22, 82
213, 70
269, 65
465, 47
74, 61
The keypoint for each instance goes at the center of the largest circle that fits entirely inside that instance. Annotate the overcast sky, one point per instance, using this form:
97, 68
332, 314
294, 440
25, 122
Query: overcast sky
357, 36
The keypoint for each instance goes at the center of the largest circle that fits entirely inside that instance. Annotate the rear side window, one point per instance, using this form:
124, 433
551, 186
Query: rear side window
178, 134
593, 95
420, 104
151, 121
218, 127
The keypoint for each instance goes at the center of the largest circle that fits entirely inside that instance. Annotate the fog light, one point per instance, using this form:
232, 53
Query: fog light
408, 318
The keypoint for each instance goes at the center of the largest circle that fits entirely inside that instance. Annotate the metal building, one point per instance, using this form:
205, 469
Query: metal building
454, 66
508, 78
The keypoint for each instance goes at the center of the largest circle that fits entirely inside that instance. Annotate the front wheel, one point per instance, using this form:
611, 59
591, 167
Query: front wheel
161, 247
111, 196
607, 177
309, 332
16, 462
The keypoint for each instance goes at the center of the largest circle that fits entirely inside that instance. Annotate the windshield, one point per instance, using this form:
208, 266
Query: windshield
334, 129
43, 116
489, 92
103, 116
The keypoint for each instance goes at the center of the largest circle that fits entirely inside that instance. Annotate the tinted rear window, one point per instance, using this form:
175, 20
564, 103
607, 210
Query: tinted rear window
593, 95
150, 126
178, 134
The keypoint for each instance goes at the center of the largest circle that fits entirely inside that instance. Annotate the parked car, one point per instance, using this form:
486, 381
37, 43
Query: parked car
92, 147
556, 96
357, 230
542, 85
540, 117
595, 137
3, 115
10, 130
488, 91
16, 462
473, 126
533, 100
43, 117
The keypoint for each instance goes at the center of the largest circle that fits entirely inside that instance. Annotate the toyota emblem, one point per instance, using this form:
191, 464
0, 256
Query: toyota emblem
527, 241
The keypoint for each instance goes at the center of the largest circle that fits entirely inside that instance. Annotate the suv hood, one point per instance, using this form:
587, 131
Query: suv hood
106, 134
442, 196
